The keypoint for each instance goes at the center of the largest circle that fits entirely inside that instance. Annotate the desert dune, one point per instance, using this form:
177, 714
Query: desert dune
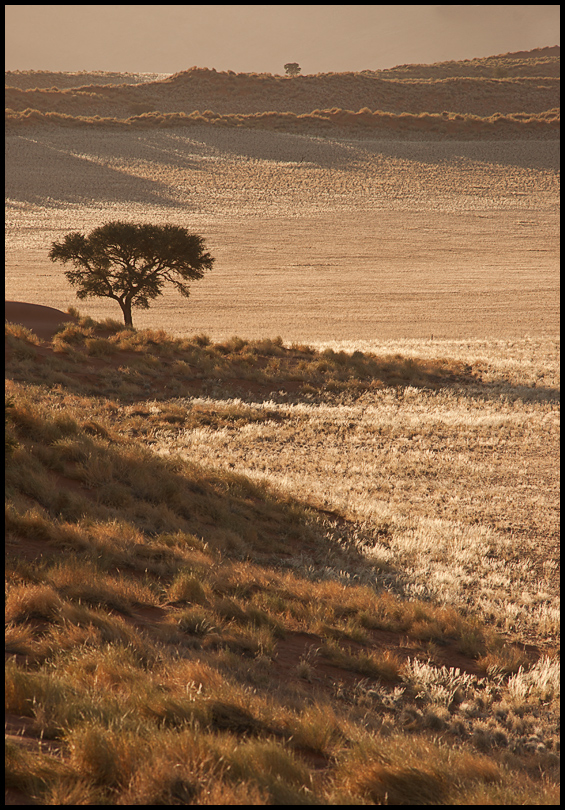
44, 321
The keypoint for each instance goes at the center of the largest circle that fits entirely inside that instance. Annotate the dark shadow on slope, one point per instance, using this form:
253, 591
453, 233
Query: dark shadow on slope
524, 153
323, 149
40, 171
75, 165
105, 479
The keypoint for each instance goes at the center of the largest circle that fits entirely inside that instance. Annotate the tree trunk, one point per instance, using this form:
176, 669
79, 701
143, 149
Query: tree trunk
126, 310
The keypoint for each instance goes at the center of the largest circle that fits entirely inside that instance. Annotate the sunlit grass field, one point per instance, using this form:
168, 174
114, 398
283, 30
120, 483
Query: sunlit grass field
252, 572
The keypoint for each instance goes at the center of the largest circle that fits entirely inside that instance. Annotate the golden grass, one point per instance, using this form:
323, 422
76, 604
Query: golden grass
377, 123
149, 636
424, 500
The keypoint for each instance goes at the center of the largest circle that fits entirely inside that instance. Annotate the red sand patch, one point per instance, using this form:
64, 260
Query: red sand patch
296, 647
43, 321
22, 731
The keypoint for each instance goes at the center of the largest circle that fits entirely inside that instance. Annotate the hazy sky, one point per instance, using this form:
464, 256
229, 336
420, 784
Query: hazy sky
261, 39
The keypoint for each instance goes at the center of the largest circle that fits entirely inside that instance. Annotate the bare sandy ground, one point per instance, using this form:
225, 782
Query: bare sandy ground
43, 321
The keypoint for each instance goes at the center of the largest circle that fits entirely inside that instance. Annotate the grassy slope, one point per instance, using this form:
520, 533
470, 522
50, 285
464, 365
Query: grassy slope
181, 634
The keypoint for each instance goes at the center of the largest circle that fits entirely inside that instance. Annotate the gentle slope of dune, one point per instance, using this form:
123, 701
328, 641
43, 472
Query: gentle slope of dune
500, 86
43, 321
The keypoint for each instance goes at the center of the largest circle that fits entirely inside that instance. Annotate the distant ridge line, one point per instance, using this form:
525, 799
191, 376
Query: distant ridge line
555, 50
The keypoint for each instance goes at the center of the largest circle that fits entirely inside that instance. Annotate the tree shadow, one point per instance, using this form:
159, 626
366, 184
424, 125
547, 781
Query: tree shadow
322, 150
76, 166
339, 148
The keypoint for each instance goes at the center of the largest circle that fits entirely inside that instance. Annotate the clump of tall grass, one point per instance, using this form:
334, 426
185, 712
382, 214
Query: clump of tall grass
16, 331
10, 442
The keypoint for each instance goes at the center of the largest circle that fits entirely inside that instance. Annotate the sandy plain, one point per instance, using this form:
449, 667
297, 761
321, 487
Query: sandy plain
319, 233
352, 238
315, 238
428, 248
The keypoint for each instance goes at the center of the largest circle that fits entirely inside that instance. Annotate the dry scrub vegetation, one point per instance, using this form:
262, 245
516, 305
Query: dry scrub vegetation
484, 98
245, 572
319, 568
476, 88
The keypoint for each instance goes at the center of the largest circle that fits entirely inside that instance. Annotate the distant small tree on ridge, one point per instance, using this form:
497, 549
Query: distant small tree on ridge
292, 68
131, 263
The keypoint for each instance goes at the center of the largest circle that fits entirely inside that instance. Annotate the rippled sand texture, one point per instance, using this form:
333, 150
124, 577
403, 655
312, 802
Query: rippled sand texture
326, 224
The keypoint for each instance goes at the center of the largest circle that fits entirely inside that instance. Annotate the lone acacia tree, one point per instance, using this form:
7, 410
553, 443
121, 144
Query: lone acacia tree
292, 68
131, 263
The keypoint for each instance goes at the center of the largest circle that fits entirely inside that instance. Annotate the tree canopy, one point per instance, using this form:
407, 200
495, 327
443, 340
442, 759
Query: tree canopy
131, 263
292, 68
